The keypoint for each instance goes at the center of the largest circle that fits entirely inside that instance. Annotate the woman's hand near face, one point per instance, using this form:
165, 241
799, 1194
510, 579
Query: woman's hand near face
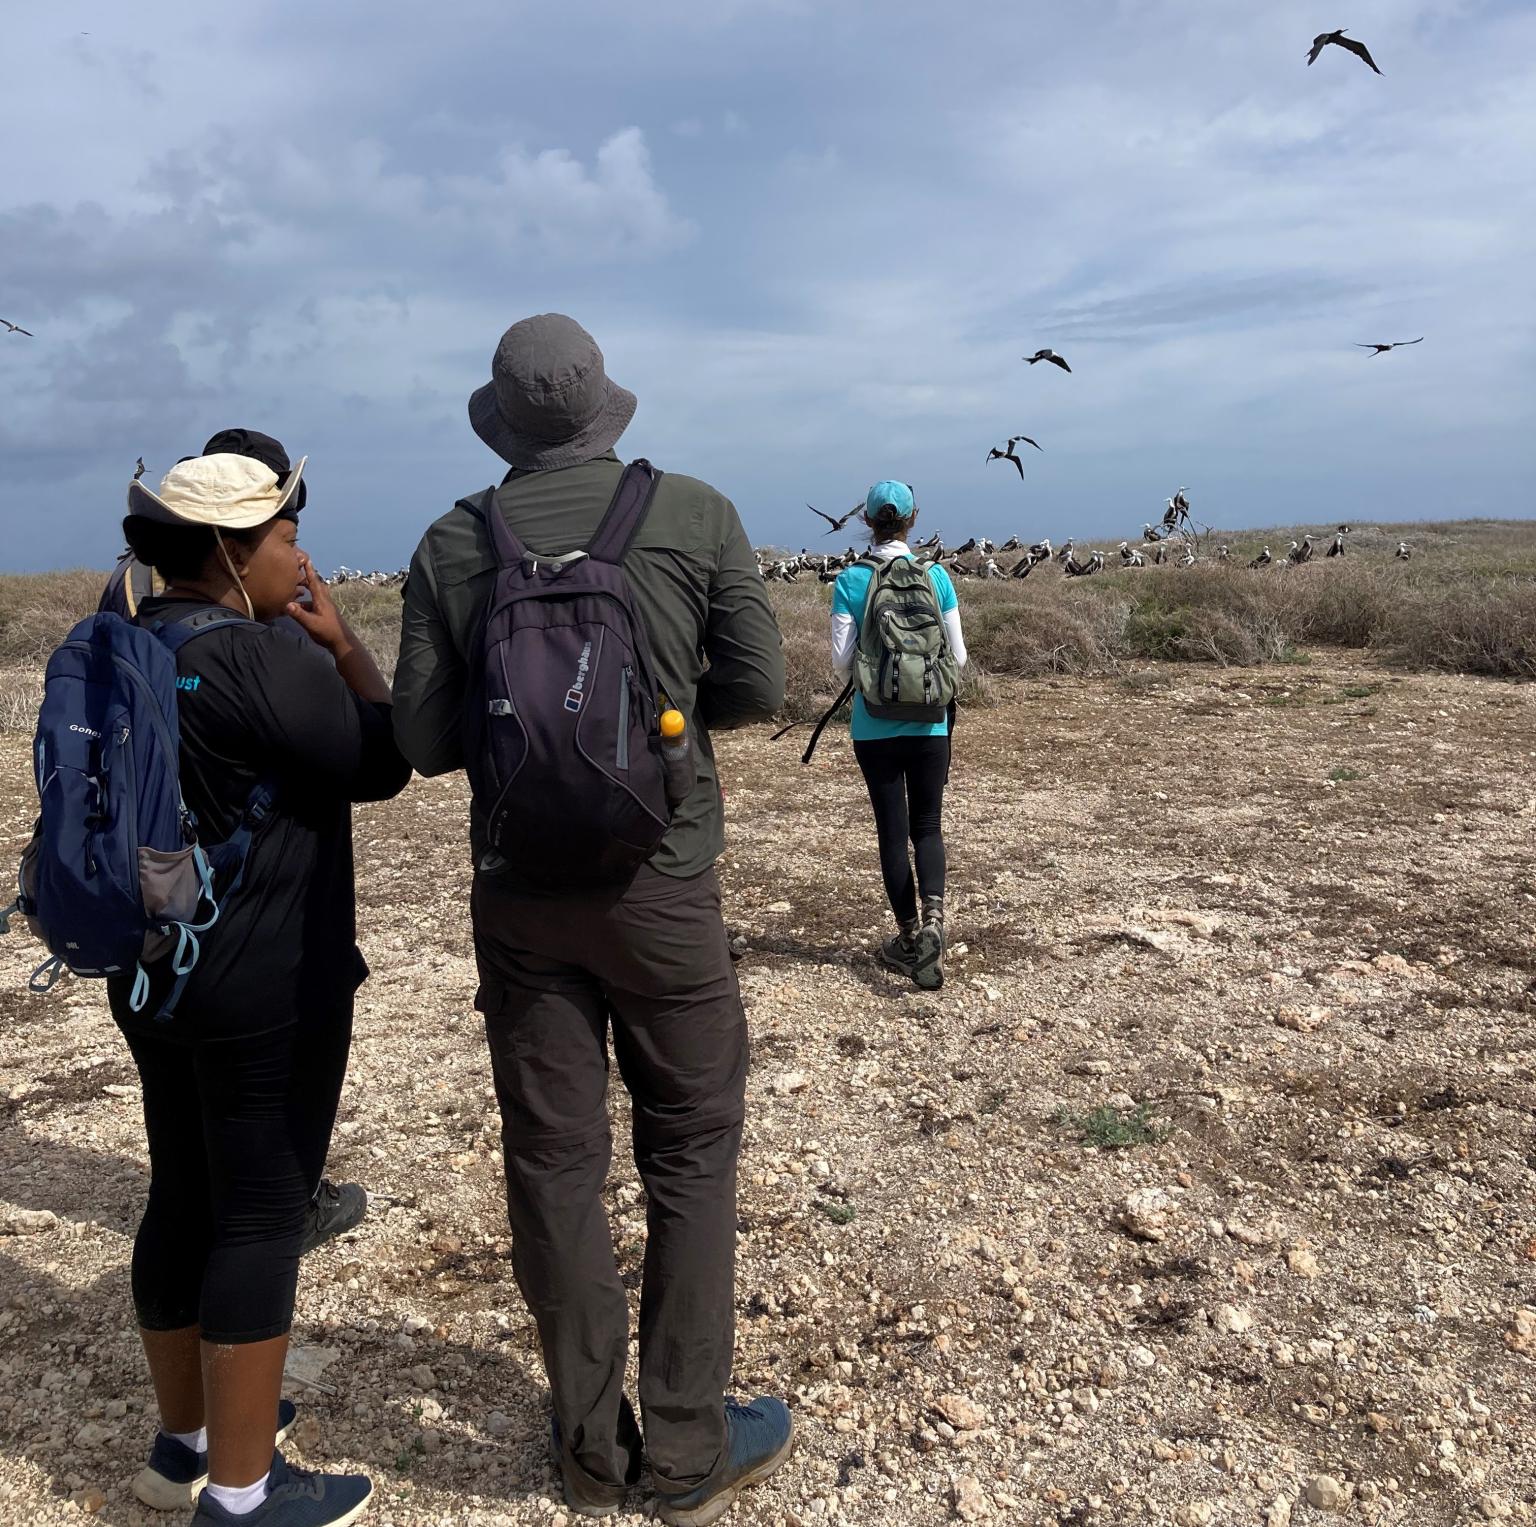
320, 618
328, 628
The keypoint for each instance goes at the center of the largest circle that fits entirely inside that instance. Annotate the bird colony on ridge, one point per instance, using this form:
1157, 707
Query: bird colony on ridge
1176, 540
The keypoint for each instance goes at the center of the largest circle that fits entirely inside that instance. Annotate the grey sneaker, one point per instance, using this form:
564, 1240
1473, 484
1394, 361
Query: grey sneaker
335, 1209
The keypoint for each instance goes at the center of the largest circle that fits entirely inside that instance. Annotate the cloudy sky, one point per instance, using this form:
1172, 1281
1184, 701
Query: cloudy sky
815, 238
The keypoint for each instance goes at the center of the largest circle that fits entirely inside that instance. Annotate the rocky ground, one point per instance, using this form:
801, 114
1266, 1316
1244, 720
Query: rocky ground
1201, 1194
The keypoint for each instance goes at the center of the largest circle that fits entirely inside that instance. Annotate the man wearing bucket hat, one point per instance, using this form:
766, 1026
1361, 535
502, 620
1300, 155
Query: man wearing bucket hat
241, 1082
651, 959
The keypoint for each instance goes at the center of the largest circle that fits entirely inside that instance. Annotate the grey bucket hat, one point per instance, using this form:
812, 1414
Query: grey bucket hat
549, 402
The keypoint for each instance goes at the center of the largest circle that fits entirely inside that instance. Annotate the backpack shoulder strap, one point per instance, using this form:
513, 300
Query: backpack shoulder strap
187, 628
508, 547
631, 503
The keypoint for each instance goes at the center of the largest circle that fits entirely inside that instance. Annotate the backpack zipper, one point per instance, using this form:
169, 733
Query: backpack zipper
624, 691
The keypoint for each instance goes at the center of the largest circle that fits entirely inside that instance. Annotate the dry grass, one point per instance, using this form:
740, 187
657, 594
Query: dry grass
36, 610
1466, 603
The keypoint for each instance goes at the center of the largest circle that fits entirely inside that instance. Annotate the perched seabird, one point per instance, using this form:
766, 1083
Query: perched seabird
967, 549
1148, 533
1303, 553
1403, 551
1339, 40
139, 469
1047, 355
1382, 349
1264, 559
1336, 546
1013, 543
1038, 553
1064, 554
16, 328
1130, 557
1223, 552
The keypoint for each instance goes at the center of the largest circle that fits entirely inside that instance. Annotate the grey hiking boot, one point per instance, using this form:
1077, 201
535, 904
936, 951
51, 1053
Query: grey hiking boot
928, 968
899, 952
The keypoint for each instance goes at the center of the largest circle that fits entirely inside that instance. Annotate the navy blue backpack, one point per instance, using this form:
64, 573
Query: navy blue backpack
114, 879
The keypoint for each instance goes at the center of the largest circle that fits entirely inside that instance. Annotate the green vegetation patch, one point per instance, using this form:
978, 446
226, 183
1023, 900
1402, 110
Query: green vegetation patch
1107, 1128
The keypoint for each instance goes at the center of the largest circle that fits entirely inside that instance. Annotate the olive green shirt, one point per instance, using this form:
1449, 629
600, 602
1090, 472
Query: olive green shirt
713, 636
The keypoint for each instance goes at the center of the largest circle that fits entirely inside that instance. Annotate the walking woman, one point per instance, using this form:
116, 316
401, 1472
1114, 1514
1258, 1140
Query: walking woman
241, 1082
902, 717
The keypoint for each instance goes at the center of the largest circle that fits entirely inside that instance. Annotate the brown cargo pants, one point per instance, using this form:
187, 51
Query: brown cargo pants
554, 975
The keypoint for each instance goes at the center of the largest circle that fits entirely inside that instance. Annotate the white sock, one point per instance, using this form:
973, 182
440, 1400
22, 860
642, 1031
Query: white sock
239, 1500
197, 1441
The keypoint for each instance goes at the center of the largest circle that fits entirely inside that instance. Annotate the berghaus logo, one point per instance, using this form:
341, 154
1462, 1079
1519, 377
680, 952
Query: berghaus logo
577, 693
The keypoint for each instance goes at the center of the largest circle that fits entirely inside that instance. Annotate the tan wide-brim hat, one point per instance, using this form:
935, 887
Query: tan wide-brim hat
223, 492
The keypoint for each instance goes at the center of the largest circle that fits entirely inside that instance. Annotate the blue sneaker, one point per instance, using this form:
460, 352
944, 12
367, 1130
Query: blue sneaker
174, 1476
758, 1439
298, 1498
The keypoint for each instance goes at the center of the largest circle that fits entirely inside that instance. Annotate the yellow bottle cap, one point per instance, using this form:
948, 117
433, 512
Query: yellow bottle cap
673, 723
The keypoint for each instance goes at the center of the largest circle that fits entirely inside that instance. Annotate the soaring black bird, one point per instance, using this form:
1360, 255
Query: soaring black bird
996, 455
139, 469
836, 524
1047, 355
1382, 349
1338, 38
16, 328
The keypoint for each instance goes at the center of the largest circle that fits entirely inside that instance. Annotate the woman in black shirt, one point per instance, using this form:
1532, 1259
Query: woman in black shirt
241, 1084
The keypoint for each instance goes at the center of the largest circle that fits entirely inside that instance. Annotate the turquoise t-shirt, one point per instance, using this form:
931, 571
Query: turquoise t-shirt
849, 596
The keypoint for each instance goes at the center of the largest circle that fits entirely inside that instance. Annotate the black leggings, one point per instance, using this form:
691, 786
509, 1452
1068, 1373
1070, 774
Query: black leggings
906, 778
238, 1131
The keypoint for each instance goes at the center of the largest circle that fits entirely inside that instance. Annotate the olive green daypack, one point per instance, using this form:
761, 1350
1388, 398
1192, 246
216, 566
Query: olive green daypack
904, 667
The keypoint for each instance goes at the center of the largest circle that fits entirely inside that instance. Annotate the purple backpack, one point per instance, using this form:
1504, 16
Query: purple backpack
564, 747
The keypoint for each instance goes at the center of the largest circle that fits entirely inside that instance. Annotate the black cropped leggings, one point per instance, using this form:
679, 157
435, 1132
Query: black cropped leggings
906, 778
238, 1132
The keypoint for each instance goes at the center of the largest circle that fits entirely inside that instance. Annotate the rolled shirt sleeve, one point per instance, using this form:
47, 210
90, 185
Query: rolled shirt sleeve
430, 677
745, 678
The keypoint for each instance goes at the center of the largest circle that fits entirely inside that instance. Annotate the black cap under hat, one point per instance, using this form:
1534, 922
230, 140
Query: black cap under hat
263, 448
